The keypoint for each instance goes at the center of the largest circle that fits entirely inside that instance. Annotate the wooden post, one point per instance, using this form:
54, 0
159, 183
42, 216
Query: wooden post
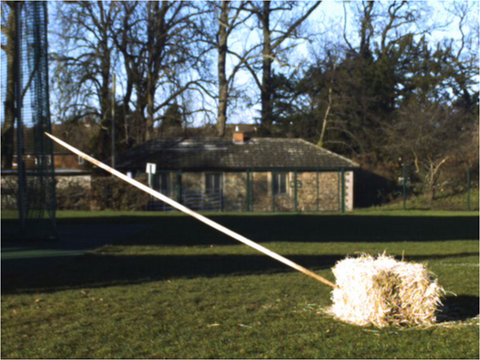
192, 213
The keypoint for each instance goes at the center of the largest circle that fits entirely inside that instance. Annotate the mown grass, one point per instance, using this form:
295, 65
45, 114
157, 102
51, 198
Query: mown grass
171, 291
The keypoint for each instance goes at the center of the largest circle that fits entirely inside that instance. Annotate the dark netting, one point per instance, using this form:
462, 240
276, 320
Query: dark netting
32, 164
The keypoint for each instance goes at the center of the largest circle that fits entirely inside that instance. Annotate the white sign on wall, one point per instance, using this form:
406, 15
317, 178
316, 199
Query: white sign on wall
151, 168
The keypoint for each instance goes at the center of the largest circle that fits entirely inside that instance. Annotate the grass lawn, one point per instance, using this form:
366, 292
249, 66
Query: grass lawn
176, 289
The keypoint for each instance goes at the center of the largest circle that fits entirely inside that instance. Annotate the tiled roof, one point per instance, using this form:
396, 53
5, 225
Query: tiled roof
221, 154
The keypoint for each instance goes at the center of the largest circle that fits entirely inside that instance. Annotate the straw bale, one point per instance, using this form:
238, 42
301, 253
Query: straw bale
382, 291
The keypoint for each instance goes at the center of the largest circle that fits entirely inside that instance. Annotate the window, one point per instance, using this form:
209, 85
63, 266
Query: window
280, 180
81, 161
163, 182
213, 183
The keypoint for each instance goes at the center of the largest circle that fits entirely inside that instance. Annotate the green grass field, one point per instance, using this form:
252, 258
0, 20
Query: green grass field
172, 288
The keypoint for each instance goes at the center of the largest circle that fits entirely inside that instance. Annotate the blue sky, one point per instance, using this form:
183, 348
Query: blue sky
327, 22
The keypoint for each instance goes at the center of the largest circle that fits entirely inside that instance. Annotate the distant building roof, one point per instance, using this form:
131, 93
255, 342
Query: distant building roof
223, 154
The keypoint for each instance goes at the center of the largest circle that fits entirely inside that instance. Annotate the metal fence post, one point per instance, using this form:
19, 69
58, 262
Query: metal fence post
343, 190
179, 186
338, 190
468, 189
248, 190
296, 190
404, 187
318, 193
273, 191
221, 200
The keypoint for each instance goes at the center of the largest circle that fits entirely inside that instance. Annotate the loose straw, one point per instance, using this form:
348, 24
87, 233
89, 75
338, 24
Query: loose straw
192, 213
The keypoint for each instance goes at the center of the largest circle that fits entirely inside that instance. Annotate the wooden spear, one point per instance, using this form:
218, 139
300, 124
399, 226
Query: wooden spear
192, 213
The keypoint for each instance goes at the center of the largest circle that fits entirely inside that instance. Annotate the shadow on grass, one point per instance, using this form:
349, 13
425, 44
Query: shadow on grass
93, 270
305, 228
100, 270
103, 270
458, 308
183, 230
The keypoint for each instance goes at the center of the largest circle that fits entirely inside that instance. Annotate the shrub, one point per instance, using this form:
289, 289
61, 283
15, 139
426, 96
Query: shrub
72, 195
103, 193
115, 194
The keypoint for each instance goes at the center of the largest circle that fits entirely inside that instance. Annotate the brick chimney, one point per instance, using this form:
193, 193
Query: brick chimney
238, 136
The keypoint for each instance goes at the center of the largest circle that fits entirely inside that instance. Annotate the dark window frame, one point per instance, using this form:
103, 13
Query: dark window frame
280, 182
164, 182
213, 182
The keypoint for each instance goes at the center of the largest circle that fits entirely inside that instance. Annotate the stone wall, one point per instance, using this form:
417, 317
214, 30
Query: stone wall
234, 191
315, 191
329, 197
193, 182
260, 190
324, 195
66, 181
9, 192
64, 184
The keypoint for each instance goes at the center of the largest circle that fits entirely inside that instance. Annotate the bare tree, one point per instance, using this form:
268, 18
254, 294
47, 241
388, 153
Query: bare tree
159, 42
229, 18
426, 134
329, 102
85, 62
370, 75
274, 34
463, 57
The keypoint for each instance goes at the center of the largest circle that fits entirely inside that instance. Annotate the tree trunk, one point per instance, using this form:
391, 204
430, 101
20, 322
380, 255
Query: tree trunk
8, 130
325, 118
155, 34
222, 77
433, 178
105, 102
150, 113
431, 192
126, 107
139, 120
266, 89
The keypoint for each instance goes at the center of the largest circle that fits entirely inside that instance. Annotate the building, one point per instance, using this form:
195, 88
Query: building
244, 174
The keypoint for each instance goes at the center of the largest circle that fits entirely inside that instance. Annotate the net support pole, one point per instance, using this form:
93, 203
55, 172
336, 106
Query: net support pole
18, 114
113, 120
